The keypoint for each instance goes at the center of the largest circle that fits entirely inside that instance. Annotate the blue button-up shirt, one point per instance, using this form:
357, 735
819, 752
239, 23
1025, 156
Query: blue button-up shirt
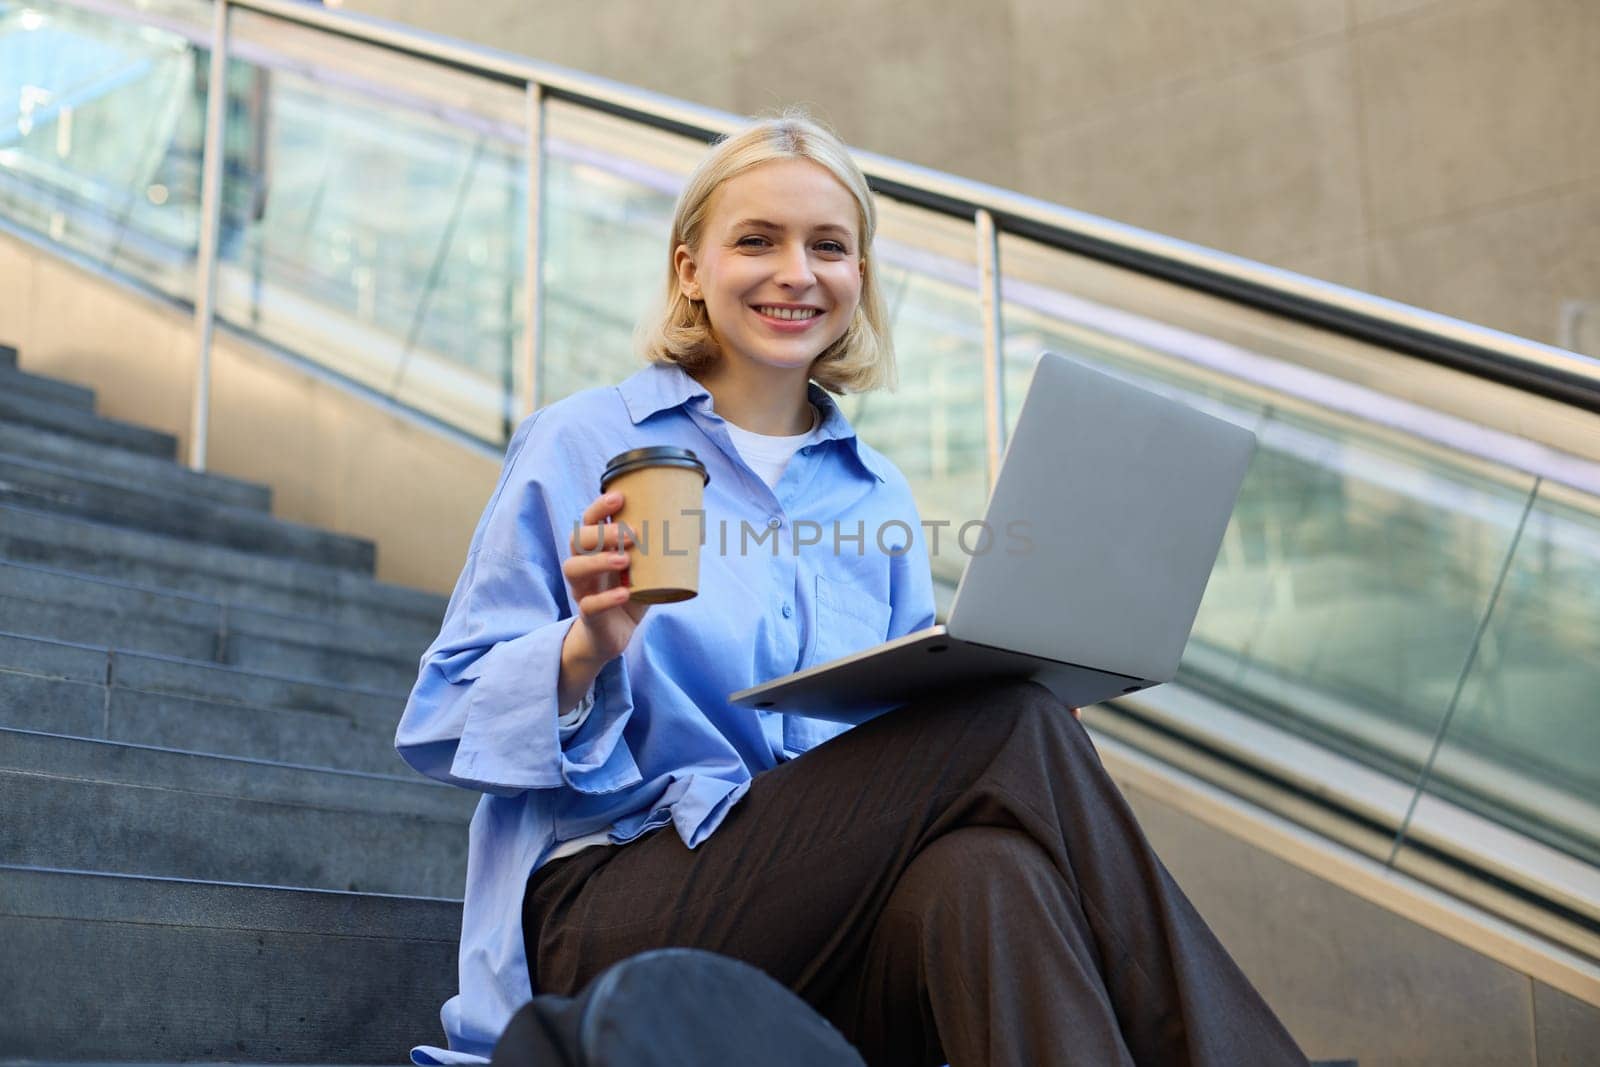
830, 560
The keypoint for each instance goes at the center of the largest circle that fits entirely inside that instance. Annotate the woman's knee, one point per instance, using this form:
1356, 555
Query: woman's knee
970, 871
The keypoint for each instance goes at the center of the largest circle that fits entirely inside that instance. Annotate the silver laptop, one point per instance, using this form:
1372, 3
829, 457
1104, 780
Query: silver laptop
1125, 496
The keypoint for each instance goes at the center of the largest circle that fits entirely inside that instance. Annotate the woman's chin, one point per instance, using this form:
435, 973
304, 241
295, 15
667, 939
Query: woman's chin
796, 359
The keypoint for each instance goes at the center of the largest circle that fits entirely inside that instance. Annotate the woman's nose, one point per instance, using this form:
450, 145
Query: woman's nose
794, 269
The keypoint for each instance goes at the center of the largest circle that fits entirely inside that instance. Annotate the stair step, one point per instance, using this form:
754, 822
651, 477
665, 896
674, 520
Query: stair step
400, 644
349, 740
66, 622
187, 678
159, 969
85, 691
20, 383
275, 656
60, 418
128, 809
31, 442
74, 544
204, 645
48, 487
62, 607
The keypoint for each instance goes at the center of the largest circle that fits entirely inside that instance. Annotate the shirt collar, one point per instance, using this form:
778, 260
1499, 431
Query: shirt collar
661, 386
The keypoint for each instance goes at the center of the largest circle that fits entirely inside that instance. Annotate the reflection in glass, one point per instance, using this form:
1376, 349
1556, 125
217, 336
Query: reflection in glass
384, 236
1523, 744
1384, 561
101, 127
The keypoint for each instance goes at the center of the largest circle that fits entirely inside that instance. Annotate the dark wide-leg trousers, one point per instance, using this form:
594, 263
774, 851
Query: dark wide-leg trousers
958, 880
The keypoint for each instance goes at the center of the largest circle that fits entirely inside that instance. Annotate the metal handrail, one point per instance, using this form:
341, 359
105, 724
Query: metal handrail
1478, 350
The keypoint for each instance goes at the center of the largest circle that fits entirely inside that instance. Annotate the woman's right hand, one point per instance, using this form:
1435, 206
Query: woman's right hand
606, 618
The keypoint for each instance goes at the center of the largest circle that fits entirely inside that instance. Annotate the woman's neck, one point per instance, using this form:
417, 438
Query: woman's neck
762, 400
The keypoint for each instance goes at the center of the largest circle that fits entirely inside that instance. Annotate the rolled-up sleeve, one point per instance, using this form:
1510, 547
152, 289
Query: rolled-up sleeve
484, 711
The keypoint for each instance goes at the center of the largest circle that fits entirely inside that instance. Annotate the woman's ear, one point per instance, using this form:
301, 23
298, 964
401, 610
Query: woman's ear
683, 263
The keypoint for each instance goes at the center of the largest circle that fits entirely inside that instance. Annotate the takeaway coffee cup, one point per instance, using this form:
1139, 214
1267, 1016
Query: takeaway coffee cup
662, 490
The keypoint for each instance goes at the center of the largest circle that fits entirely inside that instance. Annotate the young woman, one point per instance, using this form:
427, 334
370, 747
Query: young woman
956, 880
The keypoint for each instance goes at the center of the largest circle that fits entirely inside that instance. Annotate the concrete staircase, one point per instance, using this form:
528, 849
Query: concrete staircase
208, 848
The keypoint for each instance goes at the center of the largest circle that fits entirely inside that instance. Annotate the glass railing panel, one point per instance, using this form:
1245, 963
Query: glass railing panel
1359, 558
101, 129
931, 425
1523, 741
385, 239
1382, 560
610, 188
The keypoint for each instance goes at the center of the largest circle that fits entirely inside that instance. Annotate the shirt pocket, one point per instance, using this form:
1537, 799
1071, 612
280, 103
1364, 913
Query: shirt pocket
845, 620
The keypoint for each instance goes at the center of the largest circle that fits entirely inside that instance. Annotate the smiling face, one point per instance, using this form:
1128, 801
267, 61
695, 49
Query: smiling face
778, 264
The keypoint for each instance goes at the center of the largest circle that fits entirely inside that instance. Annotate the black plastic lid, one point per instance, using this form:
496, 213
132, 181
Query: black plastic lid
654, 456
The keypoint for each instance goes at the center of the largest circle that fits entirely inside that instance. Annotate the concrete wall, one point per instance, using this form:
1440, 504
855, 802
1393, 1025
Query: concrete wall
333, 459
1445, 153
1353, 979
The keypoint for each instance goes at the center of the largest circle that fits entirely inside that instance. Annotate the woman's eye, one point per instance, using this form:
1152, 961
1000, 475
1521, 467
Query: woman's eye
835, 248
752, 241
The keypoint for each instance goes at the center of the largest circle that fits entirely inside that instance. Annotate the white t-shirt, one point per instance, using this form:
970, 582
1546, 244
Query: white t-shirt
768, 456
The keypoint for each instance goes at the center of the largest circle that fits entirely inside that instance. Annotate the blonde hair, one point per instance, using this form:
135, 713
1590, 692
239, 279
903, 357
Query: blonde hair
862, 359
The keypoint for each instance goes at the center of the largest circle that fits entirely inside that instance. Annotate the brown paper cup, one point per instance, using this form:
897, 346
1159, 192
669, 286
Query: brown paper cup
660, 508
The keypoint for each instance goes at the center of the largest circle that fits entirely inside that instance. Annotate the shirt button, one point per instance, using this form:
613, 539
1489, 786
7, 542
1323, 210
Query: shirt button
788, 609
774, 522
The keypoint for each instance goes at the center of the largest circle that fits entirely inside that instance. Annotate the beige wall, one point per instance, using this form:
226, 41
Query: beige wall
1365, 980
1444, 153
333, 459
